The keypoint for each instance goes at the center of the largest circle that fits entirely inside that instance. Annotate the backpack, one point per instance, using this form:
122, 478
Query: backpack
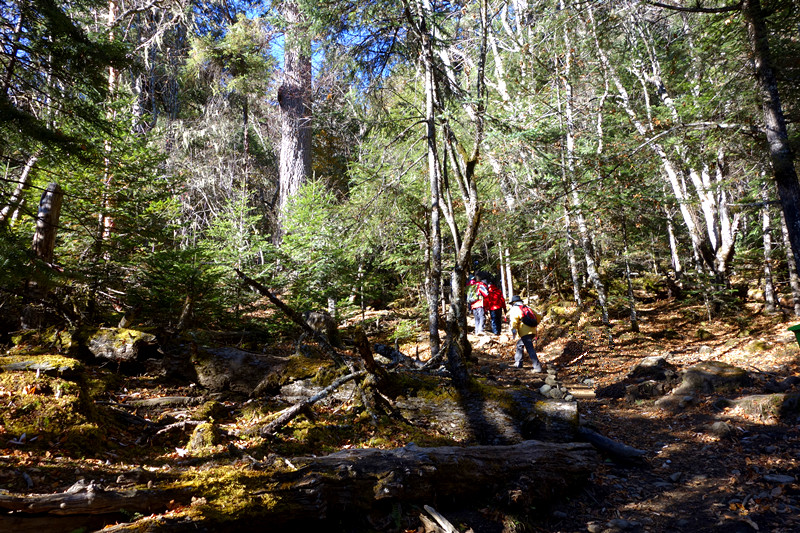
472, 294
528, 316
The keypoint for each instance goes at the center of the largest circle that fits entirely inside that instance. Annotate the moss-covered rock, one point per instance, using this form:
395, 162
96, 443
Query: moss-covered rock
52, 365
204, 436
50, 340
121, 344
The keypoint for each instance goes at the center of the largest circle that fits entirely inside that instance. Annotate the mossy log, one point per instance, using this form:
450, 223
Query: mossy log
351, 482
515, 476
91, 500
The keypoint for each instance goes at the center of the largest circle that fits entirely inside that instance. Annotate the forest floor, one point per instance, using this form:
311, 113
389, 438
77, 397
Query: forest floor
691, 479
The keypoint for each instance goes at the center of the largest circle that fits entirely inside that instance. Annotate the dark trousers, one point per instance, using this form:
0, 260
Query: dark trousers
496, 321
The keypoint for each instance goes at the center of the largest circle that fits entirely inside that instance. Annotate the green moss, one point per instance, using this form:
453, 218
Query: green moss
53, 410
210, 410
204, 437
759, 345
33, 342
703, 334
228, 493
48, 363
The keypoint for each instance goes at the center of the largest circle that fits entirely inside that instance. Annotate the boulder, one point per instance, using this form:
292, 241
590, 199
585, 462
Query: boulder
229, 369
121, 345
770, 407
711, 377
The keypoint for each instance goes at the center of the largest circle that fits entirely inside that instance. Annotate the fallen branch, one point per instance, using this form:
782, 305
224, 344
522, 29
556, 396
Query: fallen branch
294, 316
611, 447
290, 412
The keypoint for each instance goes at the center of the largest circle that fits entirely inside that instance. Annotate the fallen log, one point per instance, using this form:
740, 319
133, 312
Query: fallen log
347, 484
83, 499
512, 476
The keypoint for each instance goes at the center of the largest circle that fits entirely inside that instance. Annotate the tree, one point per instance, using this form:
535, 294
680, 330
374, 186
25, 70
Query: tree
294, 97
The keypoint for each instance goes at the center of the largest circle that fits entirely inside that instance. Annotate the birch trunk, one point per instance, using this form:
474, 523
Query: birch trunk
583, 229
769, 288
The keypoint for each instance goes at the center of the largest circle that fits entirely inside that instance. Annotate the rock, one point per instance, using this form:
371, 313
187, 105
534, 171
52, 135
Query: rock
557, 394
712, 376
779, 478
52, 365
646, 389
594, 527
720, 429
204, 436
231, 369
770, 407
545, 389
121, 345
324, 324
652, 368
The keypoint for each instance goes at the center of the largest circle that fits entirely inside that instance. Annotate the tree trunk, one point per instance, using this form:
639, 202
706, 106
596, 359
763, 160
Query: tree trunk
769, 288
294, 98
780, 150
631, 298
583, 229
44, 240
573, 262
794, 280
15, 202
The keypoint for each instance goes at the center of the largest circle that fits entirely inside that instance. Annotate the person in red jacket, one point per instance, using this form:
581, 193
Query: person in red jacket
494, 304
475, 294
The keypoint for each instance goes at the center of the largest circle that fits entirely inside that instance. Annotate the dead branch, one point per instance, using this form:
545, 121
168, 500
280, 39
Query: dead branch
294, 316
291, 412
611, 447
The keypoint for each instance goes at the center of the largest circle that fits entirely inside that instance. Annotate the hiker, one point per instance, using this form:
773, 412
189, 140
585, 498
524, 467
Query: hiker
523, 320
494, 304
476, 292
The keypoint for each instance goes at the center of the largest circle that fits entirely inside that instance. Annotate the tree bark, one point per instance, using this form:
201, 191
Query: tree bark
769, 287
294, 98
780, 150
10, 210
794, 280
44, 240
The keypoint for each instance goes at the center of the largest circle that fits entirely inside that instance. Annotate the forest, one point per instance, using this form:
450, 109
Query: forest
237, 239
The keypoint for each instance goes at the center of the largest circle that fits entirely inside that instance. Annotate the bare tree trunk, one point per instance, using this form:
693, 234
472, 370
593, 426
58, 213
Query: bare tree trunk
769, 288
44, 240
780, 150
15, 202
794, 280
509, 279
501, 262
675, 258
631, 298
294, 97
573, 262
583, 229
